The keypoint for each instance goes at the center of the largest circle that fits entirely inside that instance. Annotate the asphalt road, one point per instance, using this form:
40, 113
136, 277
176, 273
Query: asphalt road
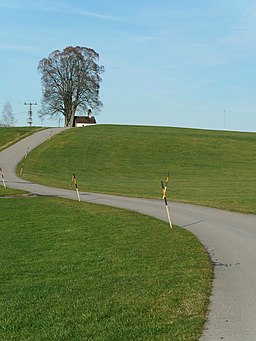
230, 239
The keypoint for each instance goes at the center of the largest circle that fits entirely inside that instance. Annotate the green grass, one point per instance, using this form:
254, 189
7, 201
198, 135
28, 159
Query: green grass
6, 192
10, 135
211, 168
77, 271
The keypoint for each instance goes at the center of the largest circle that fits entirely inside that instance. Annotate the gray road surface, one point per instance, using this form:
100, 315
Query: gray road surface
230, 239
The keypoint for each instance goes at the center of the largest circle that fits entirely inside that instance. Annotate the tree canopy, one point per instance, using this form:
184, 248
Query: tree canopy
70, 82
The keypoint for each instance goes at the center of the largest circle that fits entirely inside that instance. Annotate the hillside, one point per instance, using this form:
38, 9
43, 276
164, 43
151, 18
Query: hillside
78, 271
212, 168
10, 135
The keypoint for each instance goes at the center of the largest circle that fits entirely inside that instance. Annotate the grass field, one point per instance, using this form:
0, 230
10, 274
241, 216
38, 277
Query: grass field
77, 271
211, 168
6, 192
10, 135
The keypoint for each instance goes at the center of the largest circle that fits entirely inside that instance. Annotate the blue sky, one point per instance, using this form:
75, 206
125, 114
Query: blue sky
167, 62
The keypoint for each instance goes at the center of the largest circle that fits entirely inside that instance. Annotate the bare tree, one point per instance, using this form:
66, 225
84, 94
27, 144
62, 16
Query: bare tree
8, 119
71, 82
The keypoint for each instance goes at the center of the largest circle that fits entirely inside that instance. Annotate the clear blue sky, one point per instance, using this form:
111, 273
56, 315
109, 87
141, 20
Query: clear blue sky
167, 62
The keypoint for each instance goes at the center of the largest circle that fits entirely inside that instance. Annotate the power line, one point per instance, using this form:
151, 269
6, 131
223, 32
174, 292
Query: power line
19, 113
30, 112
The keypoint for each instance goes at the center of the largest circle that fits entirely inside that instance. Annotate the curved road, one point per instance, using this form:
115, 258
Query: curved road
230, 239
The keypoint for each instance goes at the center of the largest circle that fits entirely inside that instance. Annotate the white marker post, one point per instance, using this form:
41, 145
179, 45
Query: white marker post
27, 153
2, 176
164, 191
75, 183
23, 161
22, 168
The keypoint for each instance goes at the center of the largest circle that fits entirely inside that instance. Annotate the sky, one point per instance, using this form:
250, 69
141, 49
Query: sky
179, 63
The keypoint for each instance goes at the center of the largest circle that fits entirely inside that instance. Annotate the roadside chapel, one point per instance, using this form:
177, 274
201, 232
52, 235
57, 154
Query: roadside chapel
83, 121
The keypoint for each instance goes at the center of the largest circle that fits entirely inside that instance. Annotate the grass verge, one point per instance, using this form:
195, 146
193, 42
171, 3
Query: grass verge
77, 271
11, 135
6, 192
211, 168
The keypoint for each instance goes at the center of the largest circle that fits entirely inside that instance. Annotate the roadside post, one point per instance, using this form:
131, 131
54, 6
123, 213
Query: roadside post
164, 191
22, 168
23, 161
27, 151
2, 176
73, 180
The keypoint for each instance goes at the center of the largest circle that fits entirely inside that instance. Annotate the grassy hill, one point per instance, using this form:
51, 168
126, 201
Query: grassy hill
9, 136
211, 168
74, 270
78, 271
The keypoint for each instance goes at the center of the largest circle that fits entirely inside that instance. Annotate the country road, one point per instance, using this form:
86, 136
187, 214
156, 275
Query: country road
230, 239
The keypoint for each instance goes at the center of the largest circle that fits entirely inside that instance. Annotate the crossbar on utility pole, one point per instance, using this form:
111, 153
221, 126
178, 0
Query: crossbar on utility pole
30, 112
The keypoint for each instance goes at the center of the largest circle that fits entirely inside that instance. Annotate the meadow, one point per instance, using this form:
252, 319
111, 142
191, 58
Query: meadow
78, 271
10, 192
73, 271
9, 136
211, 168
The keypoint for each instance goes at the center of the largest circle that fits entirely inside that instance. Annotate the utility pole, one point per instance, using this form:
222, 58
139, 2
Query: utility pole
30, 112
224, 111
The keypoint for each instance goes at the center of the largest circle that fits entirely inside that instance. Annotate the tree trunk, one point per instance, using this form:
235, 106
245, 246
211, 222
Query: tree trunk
69, 120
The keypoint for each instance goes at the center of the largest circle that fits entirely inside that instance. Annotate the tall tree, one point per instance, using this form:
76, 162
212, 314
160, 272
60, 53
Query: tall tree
8, 119
71, 82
